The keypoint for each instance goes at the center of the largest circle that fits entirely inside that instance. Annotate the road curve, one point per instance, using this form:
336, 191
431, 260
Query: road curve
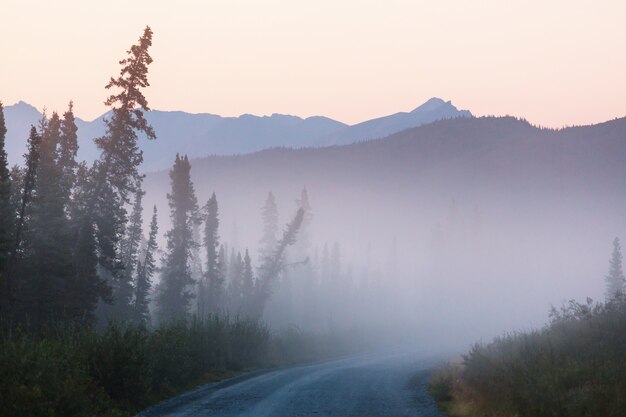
391, 385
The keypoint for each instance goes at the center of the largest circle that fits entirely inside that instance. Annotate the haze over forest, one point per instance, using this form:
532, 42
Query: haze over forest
364, 208
527, 214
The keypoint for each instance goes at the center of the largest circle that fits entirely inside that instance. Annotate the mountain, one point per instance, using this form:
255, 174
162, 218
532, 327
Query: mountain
205, 134
18, 118
431, 111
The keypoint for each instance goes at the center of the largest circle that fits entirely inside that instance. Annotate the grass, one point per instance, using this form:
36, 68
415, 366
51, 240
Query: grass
575, 366
121, 370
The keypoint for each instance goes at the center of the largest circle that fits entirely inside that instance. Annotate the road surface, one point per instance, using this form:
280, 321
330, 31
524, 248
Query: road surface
392, 385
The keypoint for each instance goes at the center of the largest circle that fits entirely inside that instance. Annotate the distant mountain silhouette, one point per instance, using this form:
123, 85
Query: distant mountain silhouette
462, 153
433, 110
205, 134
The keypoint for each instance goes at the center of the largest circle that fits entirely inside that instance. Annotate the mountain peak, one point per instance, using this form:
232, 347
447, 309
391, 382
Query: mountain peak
432, 104
24, 106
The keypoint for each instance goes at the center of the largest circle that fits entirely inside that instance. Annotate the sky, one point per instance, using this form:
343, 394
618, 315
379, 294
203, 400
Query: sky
555, 63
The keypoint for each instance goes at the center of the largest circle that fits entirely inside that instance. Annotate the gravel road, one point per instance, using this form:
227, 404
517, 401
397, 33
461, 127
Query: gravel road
391, 385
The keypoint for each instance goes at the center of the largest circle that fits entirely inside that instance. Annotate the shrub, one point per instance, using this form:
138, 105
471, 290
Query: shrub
575, 366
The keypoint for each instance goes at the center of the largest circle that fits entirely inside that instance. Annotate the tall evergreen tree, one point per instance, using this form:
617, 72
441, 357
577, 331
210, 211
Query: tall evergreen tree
175, 294
235, 282
129, 247
615, 278
247, 285
17, 175
66, 153
28, 188
222, 266
7, 213
87, 286
269, 216
211, 287
116, 172
145, 270
47, 262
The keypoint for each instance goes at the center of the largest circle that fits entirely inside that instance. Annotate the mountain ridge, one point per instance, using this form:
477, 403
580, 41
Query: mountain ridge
203, 134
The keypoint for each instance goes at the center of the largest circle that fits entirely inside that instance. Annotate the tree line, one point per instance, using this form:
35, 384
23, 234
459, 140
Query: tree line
72, 246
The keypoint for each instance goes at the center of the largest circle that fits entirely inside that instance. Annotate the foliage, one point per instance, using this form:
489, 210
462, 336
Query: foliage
72, 371
575, 366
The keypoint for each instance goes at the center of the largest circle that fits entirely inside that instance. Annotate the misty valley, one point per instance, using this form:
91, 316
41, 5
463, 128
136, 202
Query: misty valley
425, 263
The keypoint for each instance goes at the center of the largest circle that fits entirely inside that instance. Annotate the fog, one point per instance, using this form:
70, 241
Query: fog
419, 253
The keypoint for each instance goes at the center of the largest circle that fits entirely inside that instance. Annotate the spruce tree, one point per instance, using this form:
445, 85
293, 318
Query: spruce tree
129, 247
222, 266
247, 285
28, 188
87, 287
615, 278
116, 172
211, 289
175, 293
66, 153
235, 282
269, 216
47, 259
145, 271
17, 174
7, 214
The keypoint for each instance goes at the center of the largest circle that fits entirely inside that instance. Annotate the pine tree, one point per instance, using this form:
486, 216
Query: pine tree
28, 187
66, 154
17, 175
175, 294
7, 214
222, 266
269, 216
145, 270
247, 285
47, 260
116, 173
211, 287
129, 247
87, 287
615, 278
235, 282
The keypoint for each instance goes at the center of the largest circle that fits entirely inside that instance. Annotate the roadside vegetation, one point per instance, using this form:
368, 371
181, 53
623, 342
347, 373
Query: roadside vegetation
121, 370
575, 366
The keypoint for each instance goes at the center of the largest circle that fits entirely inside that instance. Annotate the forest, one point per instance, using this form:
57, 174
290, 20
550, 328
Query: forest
84, 330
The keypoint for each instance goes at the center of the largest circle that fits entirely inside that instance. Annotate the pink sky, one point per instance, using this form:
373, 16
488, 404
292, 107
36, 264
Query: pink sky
553, 62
